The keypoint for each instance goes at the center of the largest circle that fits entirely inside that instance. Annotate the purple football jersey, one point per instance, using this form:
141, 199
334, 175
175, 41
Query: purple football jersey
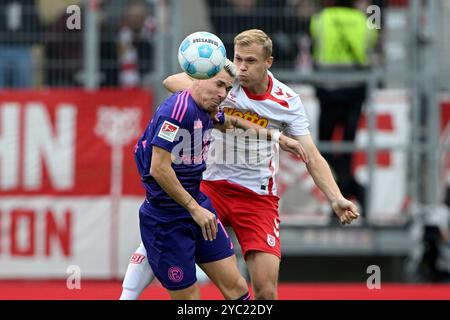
183, 128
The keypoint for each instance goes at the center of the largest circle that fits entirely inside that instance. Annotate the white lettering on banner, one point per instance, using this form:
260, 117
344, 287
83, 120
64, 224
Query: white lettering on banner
63, 235
23, 224
32, 233
55, 146
9, 146
53, 194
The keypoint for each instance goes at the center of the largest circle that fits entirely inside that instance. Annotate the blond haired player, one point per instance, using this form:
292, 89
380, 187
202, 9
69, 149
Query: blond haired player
245, 196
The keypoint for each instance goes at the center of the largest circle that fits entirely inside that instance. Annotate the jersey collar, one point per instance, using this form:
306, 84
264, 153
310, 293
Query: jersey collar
263, 96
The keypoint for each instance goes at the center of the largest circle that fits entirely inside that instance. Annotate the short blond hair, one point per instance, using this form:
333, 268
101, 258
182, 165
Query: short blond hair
249, 37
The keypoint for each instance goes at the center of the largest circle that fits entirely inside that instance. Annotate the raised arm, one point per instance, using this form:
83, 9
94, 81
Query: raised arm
161, 169
182, 81
225, 122
323, 178
177, 82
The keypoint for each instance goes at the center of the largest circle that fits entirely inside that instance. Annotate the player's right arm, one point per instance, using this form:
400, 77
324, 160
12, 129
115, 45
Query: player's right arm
225, 122
162, 171
177, 82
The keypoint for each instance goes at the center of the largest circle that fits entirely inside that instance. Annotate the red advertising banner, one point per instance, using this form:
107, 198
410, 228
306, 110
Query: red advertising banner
62, 142
69, 187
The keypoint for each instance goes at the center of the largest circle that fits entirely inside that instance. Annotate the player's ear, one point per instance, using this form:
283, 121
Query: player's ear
269, 62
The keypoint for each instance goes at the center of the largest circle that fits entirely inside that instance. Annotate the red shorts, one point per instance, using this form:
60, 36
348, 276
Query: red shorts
253, 217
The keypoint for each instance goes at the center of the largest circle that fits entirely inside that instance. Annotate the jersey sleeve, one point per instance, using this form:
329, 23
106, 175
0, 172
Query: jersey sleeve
171, 124
167, 132
298, 124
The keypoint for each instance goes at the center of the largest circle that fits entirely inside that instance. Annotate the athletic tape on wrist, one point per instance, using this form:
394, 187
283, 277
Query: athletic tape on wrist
276, 136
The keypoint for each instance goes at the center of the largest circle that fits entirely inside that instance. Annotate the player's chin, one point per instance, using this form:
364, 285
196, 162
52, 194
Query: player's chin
243, 81
213, 108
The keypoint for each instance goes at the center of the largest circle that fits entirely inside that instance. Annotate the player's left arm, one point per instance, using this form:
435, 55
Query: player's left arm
323, 178
162, 171
177, 82
224, 122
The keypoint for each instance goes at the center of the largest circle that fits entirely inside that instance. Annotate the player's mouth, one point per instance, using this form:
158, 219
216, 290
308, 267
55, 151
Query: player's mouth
215, 104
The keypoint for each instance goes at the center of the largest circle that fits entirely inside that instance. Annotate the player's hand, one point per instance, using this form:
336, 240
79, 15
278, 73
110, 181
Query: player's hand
345, 210
294, 147
207, 221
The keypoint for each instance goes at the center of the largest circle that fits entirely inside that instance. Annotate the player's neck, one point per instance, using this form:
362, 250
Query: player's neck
260, 88
196, 97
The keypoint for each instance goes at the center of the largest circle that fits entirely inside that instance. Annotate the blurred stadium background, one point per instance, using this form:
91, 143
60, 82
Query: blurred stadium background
74, 98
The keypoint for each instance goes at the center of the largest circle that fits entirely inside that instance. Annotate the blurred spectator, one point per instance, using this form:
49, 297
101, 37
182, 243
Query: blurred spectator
286, 25
304, 9
197, 16
230, 17
19, 31
378, 57
135, 50
342, 43
279, 19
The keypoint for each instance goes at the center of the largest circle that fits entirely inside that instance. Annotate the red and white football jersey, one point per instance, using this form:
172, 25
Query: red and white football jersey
244, 159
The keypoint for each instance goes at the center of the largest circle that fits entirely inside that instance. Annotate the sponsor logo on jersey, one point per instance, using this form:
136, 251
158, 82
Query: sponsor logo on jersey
250, 116
271, 240
168, 131
137, 258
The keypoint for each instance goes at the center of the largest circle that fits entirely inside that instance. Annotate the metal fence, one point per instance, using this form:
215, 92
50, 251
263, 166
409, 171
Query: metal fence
125, 43
133, 43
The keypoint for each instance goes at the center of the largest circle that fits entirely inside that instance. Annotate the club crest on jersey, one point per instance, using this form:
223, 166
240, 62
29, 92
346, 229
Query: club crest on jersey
137, 258
175, 274
168, 131
271, 240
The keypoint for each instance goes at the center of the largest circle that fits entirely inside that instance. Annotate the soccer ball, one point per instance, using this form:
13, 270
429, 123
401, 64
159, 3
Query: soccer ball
202, 55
